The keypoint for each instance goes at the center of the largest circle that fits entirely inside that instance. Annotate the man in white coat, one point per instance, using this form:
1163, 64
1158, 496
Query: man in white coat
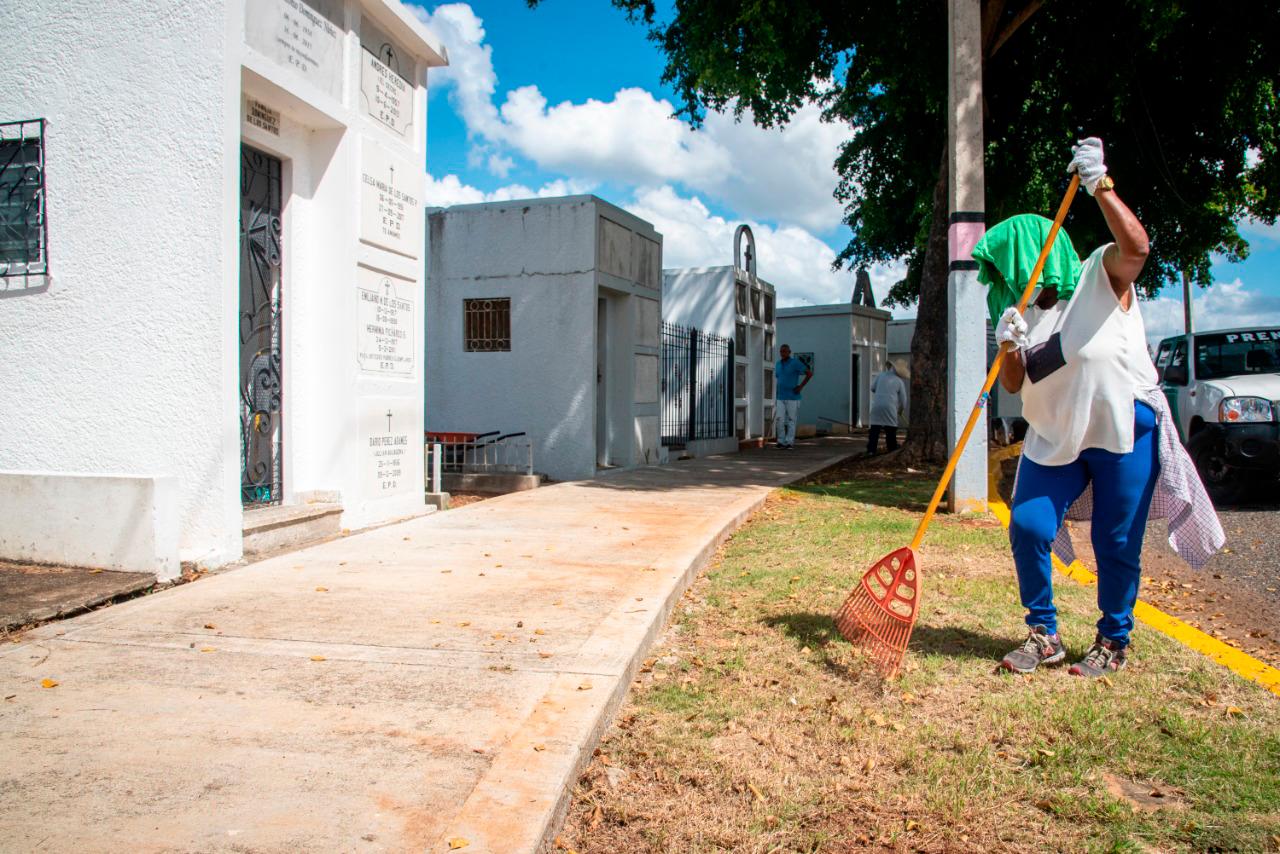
888, 399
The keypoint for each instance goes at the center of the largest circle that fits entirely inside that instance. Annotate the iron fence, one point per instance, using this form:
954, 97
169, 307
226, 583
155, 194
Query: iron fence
482, 453
697, 385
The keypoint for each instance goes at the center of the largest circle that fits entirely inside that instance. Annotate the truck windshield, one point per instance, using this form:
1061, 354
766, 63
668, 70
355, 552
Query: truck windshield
1227, 354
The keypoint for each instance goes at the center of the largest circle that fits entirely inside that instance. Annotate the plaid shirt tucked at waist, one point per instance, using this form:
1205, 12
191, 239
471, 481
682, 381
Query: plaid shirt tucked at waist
1194, 530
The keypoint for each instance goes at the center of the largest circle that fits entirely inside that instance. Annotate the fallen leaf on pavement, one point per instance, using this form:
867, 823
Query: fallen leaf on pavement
585, 686
48, 683
207, 649
539, 747
210, 626
322, 589
317, 658
457, 842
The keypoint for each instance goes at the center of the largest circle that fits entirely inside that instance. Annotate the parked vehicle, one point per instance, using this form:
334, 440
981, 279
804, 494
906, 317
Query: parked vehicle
1224, 389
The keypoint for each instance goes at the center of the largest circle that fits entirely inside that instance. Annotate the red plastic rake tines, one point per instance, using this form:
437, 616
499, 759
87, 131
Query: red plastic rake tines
882, 609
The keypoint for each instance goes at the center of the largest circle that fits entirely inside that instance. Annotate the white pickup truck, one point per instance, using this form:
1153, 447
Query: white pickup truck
1224, 389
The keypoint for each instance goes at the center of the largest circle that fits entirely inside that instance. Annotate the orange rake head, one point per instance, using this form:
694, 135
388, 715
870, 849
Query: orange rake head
881, 611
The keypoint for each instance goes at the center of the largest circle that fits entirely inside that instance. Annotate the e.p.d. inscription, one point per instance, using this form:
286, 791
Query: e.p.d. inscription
298, 34
387, 453
390, 201
386, 97
385, 314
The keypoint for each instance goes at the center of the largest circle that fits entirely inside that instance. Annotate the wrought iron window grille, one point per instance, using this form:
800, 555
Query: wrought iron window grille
486, 325
24, 223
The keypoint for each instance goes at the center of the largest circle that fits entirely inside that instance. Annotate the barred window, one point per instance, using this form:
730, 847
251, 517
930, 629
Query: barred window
486, 325
24, 232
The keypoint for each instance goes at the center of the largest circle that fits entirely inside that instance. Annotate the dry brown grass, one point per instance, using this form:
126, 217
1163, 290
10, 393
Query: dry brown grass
754, 728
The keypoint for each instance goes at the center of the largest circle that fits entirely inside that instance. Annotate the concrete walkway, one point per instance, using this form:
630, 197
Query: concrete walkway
444, 678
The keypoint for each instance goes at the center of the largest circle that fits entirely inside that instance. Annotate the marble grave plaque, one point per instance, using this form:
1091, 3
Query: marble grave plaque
390, 201
386, 320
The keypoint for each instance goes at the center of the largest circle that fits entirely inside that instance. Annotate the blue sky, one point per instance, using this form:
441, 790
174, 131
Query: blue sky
569, 99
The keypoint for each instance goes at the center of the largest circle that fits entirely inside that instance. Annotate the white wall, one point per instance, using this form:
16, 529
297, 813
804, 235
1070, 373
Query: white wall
124, 360
542, 258
827, 336
553, 258
700, 297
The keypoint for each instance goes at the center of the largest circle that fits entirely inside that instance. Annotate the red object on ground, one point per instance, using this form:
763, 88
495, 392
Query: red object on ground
450, 438
881, 611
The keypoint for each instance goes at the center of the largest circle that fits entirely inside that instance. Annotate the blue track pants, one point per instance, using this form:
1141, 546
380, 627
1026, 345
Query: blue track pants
1122, 489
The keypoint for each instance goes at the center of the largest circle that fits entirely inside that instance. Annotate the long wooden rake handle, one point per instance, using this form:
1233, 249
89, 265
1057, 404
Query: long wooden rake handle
981, 403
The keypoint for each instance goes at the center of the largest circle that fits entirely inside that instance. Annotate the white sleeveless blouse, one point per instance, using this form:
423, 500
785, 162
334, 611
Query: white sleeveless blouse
1088, 402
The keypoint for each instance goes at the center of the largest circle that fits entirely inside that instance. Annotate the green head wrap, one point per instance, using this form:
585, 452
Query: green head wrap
1008, 252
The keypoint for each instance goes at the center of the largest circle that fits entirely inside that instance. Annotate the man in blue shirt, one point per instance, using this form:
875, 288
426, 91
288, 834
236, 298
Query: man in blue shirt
790, 375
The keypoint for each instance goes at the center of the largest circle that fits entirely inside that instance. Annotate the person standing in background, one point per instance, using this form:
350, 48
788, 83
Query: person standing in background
888, 400
791, 376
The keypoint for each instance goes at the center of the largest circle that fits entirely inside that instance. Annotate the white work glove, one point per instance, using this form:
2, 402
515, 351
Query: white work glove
1086, 158
1012, 328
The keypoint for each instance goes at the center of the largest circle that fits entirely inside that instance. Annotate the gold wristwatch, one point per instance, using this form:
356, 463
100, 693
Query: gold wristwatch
1104, 183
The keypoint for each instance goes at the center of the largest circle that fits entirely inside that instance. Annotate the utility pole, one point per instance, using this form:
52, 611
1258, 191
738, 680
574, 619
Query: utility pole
966, 297
1186, 303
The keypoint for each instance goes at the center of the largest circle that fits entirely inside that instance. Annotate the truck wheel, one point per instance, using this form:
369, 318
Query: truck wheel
1224, 484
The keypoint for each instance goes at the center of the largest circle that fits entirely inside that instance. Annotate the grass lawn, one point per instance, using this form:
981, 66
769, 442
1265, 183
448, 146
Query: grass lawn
755, 728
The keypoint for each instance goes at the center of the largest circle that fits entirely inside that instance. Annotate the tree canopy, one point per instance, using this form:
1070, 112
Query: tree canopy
1184, 94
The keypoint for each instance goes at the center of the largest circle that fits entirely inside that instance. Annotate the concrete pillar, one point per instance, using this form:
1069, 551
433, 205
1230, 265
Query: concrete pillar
966, 298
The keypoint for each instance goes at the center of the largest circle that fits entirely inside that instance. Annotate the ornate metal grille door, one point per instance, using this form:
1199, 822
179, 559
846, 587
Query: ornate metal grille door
261, 387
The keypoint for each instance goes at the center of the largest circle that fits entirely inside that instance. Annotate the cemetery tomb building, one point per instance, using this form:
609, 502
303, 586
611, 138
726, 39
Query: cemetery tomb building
847, 346
543, 318
211, 273
734, 303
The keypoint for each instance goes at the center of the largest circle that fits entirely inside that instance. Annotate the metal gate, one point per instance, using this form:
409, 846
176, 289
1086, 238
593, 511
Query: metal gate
261, 387
697, 385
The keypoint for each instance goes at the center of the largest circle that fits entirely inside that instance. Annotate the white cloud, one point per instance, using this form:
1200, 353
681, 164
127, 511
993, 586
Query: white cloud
469, 77
500, 165
778, 175
796, 262
1257, 232
1220, 306
449, 190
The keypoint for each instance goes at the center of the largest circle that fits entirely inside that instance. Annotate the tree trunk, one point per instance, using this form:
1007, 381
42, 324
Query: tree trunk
927, 434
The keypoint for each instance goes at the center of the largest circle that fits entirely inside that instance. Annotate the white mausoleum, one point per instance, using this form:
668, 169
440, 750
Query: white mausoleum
845, 345
211, 289
543, 318
733, 302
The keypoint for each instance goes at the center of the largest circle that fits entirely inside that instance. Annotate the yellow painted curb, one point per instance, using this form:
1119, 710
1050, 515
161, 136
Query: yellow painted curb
1240, 663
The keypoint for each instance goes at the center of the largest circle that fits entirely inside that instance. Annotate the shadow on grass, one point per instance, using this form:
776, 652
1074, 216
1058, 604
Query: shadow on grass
869, 482
955, 642
815, 630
